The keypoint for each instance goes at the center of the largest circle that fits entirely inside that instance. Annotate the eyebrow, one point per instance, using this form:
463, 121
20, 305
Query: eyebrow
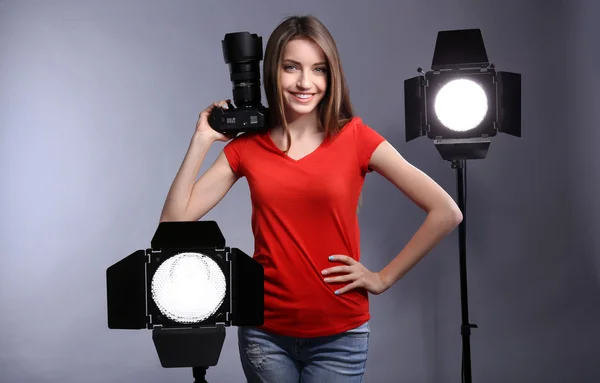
297, 63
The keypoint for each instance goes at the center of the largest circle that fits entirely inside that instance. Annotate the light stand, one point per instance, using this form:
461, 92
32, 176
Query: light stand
458, 162
461, 180
460, 104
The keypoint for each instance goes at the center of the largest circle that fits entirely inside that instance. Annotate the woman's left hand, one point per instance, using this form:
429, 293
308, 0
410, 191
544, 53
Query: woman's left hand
356, 273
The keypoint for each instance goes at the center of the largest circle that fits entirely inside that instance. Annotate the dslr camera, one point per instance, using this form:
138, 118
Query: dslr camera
243, 53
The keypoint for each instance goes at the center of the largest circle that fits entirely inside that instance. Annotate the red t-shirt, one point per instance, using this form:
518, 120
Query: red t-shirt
303, 211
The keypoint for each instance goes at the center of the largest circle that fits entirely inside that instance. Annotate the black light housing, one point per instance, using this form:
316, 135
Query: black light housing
135, 301
461, 55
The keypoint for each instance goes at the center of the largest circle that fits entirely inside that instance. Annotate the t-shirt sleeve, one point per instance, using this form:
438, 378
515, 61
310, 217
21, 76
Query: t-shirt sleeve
234, 152
366, 140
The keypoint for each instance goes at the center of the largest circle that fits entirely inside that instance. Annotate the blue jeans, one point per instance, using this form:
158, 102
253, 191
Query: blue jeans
272, 358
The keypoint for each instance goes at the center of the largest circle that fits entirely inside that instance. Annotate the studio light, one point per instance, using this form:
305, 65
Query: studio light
460, 104
463, 101
186, 288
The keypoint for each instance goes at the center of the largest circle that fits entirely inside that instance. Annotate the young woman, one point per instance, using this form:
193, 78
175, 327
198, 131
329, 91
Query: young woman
305, 177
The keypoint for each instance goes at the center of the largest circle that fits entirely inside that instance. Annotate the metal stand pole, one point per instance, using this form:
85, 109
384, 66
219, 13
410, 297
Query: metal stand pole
465, 330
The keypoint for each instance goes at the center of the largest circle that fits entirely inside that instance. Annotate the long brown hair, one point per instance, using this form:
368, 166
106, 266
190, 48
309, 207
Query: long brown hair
335, 109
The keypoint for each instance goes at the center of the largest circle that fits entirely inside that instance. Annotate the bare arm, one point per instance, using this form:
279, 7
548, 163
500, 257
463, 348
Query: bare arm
190, 200
443, 215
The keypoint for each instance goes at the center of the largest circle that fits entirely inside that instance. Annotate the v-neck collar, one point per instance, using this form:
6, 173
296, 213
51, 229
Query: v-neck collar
321, 146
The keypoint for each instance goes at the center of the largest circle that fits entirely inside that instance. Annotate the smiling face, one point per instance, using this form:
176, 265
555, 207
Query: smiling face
303, 77
301, 57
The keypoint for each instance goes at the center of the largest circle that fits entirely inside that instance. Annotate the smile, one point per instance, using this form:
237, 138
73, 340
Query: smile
303, 97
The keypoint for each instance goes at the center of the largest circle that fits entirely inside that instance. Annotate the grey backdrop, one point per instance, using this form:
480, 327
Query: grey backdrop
98, 102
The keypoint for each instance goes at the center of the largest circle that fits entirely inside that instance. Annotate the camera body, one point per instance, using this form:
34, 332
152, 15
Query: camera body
238, 120
243, 52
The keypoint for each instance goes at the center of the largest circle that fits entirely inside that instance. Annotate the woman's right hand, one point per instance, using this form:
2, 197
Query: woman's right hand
203, 127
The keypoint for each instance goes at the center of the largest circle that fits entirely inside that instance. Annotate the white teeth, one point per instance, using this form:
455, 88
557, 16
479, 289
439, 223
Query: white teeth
300, 95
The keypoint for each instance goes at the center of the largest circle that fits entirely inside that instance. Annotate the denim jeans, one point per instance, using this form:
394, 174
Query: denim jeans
272, 358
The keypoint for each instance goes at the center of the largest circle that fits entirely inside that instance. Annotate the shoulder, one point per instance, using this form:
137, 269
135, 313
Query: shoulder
236, 148
364, 138
357, 127
247, 136
362, 132
242, 139
351, 123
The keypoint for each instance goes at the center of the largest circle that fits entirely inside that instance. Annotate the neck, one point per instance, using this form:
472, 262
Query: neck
304, 124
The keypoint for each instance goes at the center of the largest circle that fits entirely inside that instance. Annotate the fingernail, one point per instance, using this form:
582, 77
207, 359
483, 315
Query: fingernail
337, 293
331, 257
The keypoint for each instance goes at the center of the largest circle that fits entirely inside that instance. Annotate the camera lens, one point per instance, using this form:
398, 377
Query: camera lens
243, 52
